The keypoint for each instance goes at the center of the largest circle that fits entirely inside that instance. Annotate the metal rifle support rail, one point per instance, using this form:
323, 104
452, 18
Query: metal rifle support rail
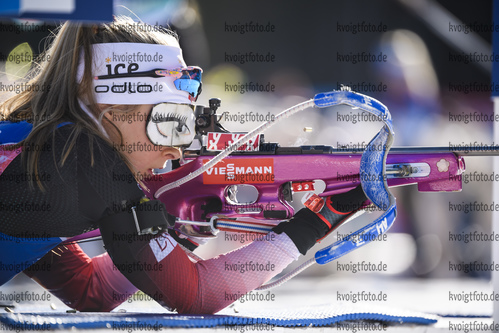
402, 170
472, 151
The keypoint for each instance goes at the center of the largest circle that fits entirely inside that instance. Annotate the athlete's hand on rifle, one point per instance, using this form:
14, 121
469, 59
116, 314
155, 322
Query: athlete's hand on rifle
321, 217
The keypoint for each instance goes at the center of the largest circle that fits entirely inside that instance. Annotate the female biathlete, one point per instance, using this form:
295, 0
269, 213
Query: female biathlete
117, 103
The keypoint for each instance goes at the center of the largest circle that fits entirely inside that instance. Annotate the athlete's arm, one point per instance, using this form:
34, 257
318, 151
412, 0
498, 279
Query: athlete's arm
81, 282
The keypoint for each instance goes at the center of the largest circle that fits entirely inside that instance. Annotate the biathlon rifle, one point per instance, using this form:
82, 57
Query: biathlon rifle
239, 183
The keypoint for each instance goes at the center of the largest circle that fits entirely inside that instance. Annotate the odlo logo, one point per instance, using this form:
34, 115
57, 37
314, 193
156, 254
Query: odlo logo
125, 87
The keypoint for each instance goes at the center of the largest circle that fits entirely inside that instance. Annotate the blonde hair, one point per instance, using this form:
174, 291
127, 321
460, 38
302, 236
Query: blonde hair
58, 102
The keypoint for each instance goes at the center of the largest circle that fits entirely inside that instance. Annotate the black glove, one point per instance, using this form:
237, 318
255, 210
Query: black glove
316, 222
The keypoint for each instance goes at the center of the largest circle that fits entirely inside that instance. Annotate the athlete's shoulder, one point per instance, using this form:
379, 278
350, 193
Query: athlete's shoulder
86, 145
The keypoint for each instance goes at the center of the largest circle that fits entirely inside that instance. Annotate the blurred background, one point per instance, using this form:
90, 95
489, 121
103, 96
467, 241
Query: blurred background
413, 56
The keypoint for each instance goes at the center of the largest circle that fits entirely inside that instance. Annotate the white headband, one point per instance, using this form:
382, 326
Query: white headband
121, 58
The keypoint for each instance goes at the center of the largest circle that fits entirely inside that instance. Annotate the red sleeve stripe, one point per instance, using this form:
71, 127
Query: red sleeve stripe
328, 203
324, 220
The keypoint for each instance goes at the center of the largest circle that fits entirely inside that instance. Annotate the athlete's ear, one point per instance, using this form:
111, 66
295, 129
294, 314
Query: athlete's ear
171, 153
